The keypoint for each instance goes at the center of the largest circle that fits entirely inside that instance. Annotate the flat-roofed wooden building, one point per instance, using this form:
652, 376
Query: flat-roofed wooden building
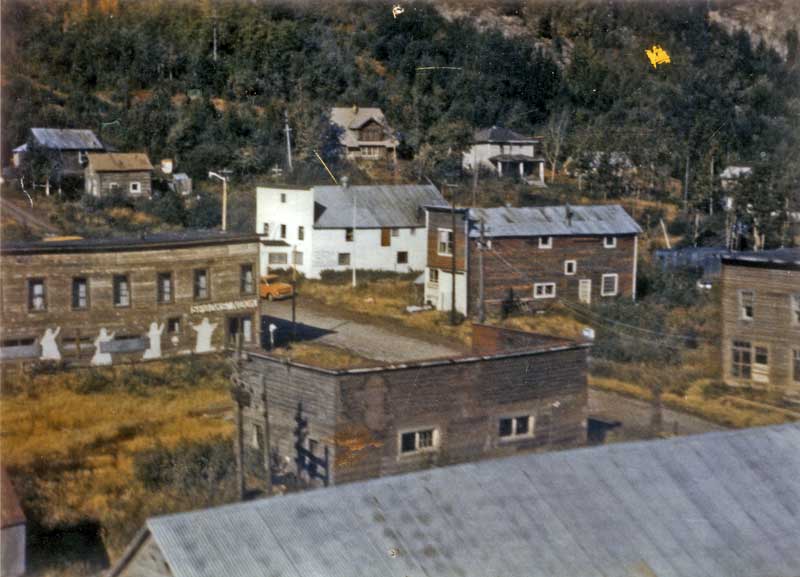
761, 319
99, 301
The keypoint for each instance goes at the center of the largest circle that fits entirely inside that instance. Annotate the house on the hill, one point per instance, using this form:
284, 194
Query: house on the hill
364, 133
532, 256
729, 177
66, 150
127, 172
377, 227
506, 152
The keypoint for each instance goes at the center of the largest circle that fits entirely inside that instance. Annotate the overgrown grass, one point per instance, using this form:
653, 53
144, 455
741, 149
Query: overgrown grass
70, 440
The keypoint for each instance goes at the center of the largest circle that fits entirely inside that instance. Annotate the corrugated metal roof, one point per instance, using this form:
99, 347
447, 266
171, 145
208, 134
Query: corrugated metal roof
715, 505
605, 219
377, 206
778, 256
67, 138
500, 134
119, 162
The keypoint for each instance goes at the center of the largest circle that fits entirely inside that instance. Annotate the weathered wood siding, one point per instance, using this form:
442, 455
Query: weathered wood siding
532, 264
142, 266
99, 183
773, 325
441, 219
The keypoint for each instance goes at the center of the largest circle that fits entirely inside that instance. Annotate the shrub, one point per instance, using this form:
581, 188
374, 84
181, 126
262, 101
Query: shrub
188, 467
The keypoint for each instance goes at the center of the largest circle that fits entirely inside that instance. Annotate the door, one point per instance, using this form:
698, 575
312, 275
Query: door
585, 290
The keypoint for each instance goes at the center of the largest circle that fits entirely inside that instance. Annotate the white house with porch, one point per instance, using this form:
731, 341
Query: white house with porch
375, 227
507, 153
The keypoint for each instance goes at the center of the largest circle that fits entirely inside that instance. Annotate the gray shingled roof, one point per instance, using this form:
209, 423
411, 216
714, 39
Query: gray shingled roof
714, 505
67, 139
500, 134
376, 205
605, 219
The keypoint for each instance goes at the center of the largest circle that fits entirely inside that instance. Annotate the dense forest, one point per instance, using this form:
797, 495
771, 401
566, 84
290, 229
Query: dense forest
208, 83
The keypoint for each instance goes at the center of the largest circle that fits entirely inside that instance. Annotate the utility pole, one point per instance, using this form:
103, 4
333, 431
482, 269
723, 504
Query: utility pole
345, 186
267, 454
453, 260
288, 140
240, 398
481, 296
214, 20
294, 294
224, 180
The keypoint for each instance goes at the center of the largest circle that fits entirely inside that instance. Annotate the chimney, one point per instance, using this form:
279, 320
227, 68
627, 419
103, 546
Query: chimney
569, 212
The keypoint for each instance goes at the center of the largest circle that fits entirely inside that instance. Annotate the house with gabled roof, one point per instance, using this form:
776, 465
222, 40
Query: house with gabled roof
364, 133
507, 153
127, 172
65, 148
376, 227
531, 256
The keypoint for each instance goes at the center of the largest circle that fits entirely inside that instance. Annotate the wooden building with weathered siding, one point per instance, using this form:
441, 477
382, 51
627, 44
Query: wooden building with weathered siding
532, 256
127, 172
104, 300
516, 392
761, 320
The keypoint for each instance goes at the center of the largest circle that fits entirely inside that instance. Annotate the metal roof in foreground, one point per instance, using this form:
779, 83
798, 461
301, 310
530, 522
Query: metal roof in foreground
602, 219
715, 505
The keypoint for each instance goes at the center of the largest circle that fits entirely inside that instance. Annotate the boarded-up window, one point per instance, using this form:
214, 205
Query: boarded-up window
386, 237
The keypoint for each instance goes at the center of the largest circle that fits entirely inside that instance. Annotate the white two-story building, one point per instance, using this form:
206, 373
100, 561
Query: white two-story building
507, 153
375, 227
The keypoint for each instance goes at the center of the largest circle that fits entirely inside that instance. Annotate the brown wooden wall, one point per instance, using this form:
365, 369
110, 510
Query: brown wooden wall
102, 182
533, 264
773, 325
142, 266
440, 219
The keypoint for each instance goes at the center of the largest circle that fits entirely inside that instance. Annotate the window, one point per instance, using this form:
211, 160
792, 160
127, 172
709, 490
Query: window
396, 232
298, 258
174, 325
164, 291
135, 187
371, 151
445, 246
83, 158
80, 293
344, 259
570, 266
301, 233
762, 356
609, 242
545, 242
240, 325
246, 284
386, 237
419, 441
741, 359
37, 297
278, 258
433, 275
283, 231
796, 365
348, 235
122, 290
608, 286
21, 342
402, 257
113, 186
283, 198
266, 228
544, 290
412, 231
513, 427
746, 301
796, 309
200, 284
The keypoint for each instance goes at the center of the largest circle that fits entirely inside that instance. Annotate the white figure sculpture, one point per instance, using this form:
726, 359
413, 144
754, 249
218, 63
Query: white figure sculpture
49, 345
101, 358
204, 331
154, 351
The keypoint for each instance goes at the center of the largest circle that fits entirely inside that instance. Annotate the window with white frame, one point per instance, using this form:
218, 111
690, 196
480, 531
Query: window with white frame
544, 290
278, 258
741, 359
122, 290
283, 231
419, 441
762, 356
135, 187
37, 297
796, 309
395, 232
266, 228
445, 244
298, 258
746, 304
609, 285
200, 288
570, 267
609, 242
301, 233
433, 275
545, 242
516, 427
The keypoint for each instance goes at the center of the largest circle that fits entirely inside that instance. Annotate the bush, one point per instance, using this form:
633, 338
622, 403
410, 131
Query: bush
668, 287
364, 276
188, 467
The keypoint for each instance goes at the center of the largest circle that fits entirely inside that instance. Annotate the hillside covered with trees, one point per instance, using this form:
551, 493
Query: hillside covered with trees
149, 75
